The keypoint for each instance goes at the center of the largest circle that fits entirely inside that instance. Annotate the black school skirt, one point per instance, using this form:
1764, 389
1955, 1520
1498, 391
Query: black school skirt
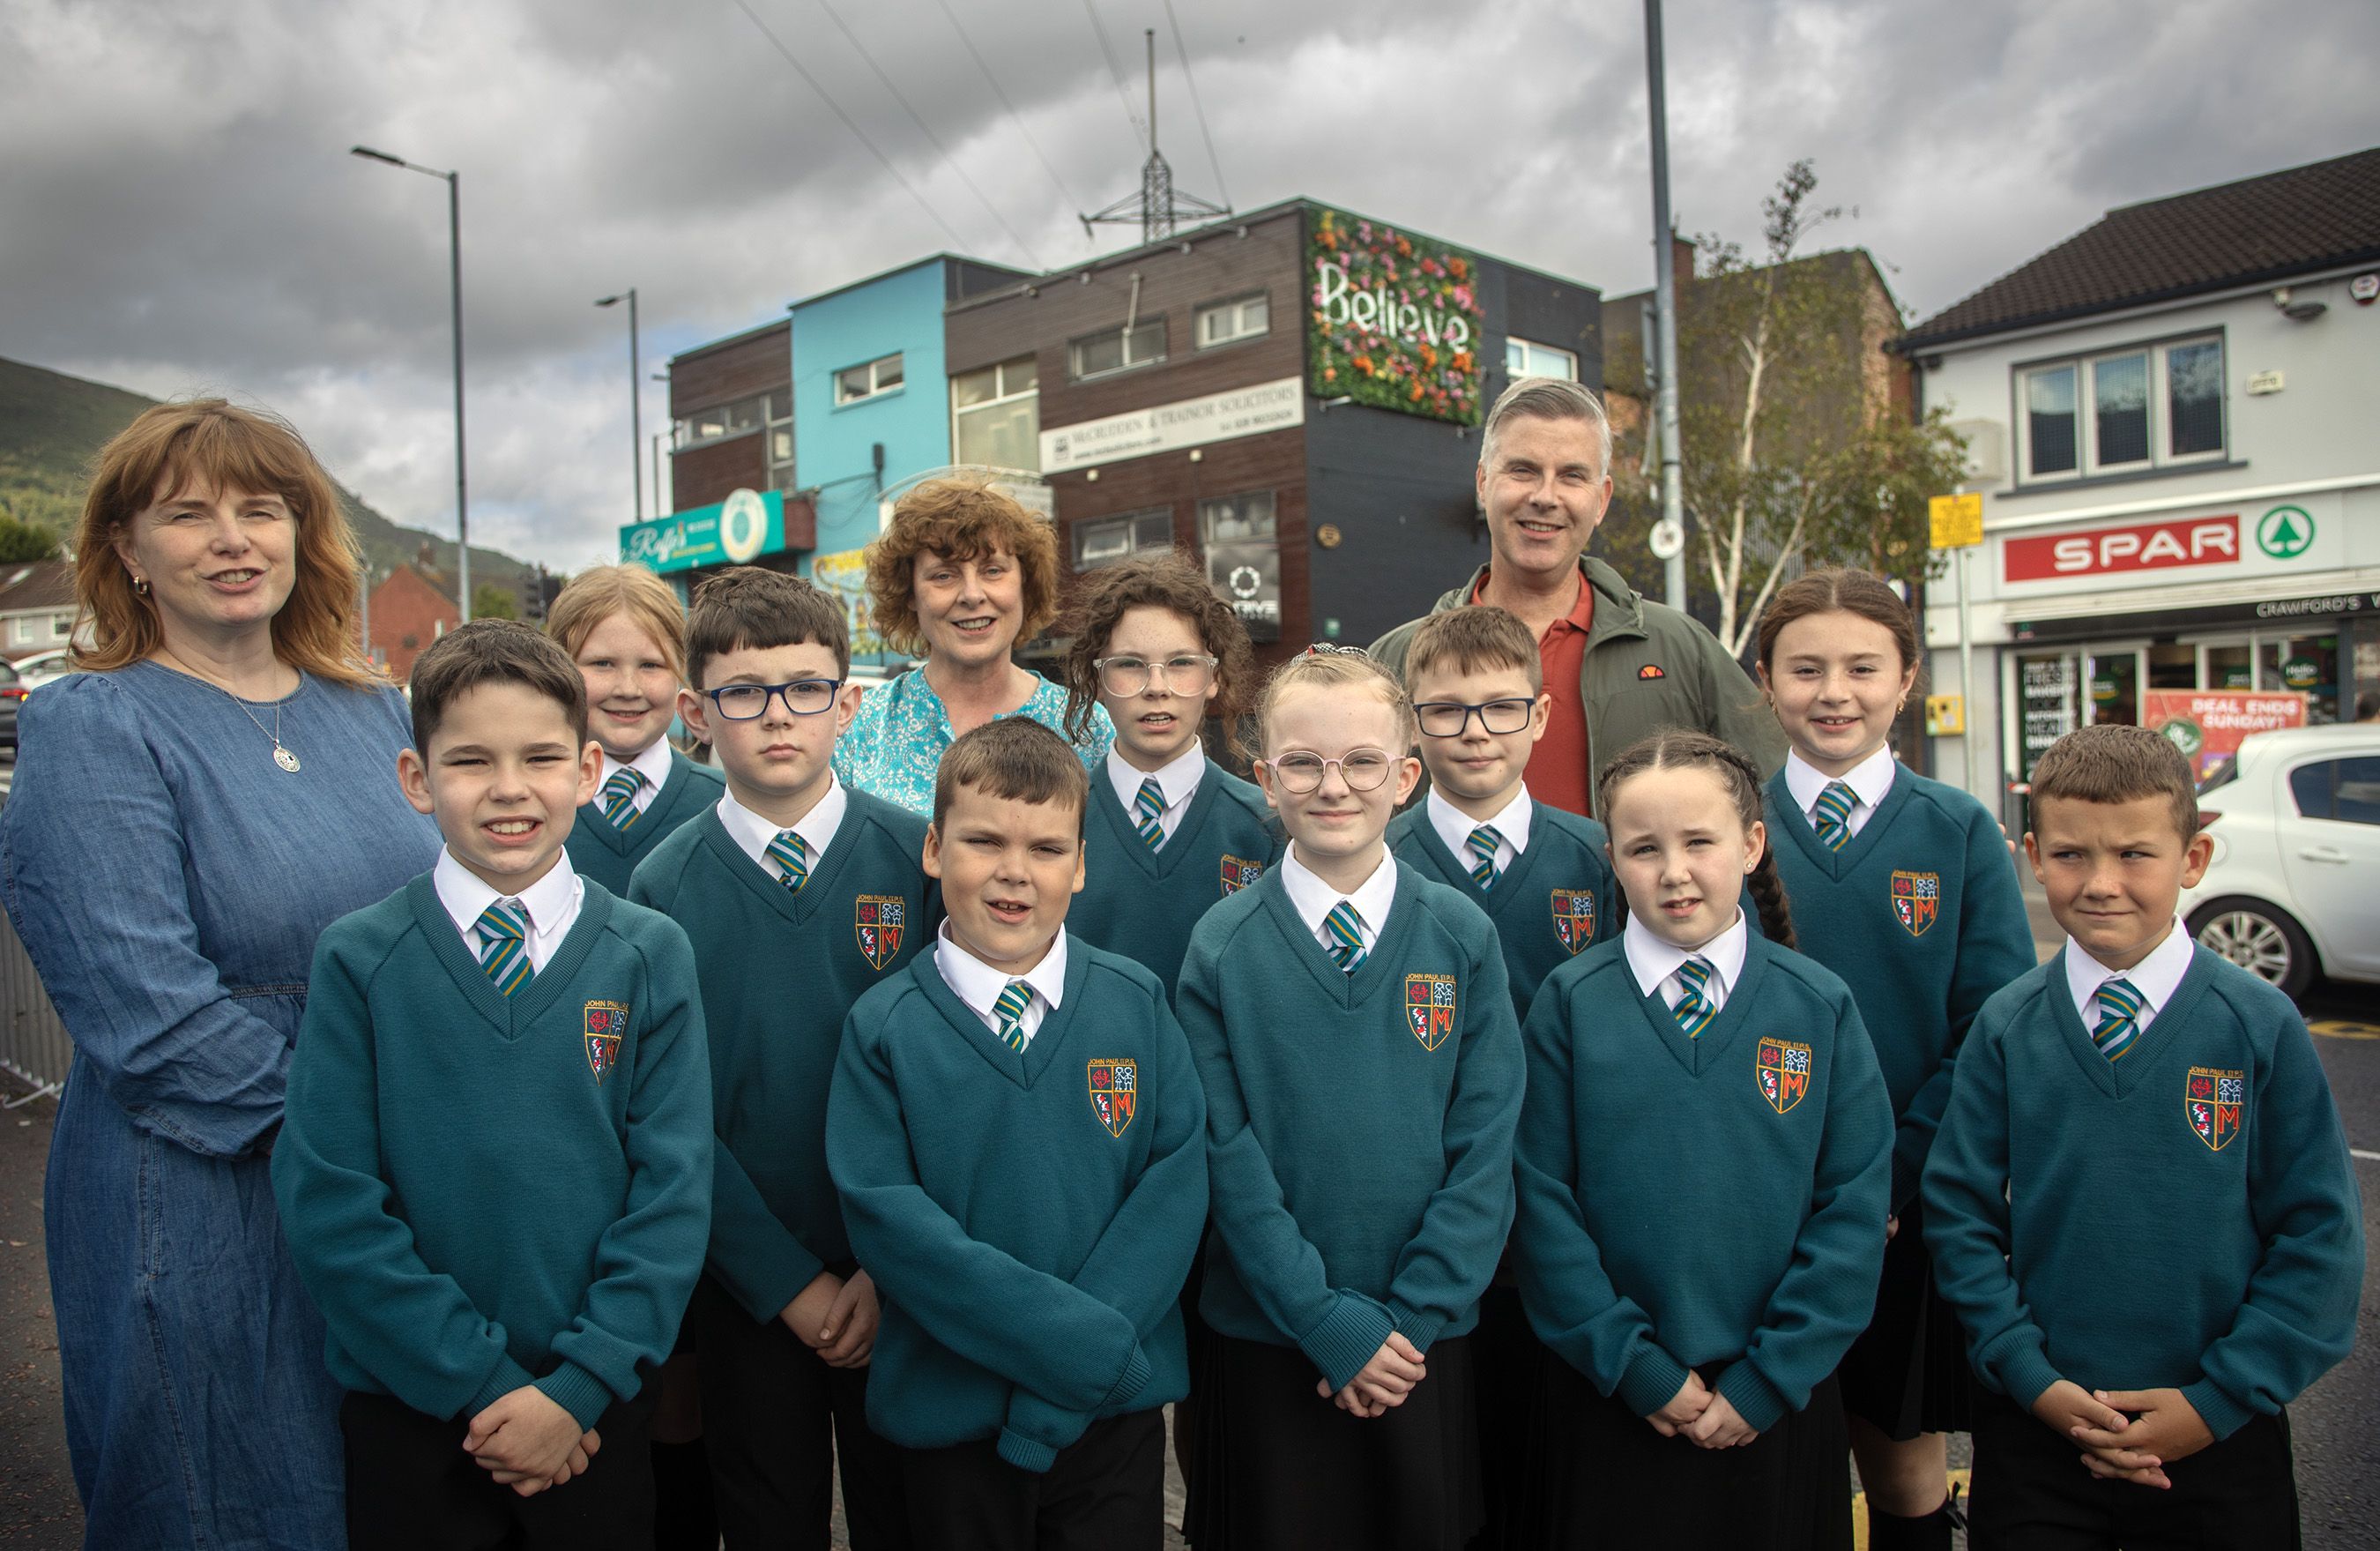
1906, 1374
1283, 1469
1603, 1478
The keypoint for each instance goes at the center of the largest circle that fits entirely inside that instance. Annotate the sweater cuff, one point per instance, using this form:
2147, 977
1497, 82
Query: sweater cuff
1135, 1379
2222, 1414
763, 1281
1755, 1399
1346, 1339
1650, 1381
577, 1391
2024, 1372
1026, 1454
1905, 1178
1419, 1326
508, 1376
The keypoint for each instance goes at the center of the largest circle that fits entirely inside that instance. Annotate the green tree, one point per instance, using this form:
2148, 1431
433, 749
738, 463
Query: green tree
492, 602
23, 541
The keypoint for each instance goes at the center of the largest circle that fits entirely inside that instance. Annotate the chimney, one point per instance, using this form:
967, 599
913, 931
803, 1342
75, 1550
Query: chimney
1681, 257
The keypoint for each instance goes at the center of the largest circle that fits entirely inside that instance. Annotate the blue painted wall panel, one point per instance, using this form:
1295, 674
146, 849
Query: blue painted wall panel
834, 448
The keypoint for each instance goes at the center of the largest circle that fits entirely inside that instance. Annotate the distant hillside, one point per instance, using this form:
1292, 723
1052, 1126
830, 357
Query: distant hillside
50, 424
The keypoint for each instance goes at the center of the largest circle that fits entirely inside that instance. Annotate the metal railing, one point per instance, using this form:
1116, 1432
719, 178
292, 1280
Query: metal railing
33, 1044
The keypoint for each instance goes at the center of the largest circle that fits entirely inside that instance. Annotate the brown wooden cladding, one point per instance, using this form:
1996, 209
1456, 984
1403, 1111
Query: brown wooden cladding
759, 362
709, 475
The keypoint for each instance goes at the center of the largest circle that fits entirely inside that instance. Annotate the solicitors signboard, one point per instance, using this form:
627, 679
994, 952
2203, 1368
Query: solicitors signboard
1187, 423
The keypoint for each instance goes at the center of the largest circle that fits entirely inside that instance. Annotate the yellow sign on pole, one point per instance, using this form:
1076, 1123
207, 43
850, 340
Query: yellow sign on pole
1957, 520
1946, 716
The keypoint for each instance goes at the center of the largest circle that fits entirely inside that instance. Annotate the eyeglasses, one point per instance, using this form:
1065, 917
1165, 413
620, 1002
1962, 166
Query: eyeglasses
803, 697
1184, 675
1362, 769
1447, 718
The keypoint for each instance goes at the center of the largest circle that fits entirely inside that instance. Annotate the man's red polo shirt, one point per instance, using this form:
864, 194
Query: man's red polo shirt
1559, 772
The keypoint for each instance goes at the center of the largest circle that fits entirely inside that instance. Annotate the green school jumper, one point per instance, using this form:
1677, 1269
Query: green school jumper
1360, 1127
1921, 915
484, 1191
779, 970
1028, 1217
2185, 1218
1555, 900
1143, 903
610, 856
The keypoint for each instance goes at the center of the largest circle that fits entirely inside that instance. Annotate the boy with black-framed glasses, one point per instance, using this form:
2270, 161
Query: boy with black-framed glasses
799, 894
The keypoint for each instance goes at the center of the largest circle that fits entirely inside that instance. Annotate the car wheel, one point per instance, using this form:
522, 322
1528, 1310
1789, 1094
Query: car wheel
2259, 938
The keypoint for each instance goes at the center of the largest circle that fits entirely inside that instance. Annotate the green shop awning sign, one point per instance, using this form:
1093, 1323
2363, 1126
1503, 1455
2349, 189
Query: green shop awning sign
748, 524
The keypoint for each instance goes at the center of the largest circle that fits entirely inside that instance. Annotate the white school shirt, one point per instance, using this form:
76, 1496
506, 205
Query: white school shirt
752, 833
979, 985
1314, 899
1655, 962
1870, 780
1454, 827
653, 765
2156, 977
551, 902
1178, 781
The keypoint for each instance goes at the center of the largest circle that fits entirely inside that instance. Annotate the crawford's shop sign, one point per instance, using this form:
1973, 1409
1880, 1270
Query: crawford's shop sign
1396, 319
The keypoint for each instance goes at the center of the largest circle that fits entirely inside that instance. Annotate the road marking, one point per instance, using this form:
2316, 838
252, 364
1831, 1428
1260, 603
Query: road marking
2360, 1153
2344, 1027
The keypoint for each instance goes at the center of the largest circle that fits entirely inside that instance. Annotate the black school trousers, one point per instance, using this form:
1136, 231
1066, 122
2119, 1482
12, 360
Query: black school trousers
1106, 1492
410, 1485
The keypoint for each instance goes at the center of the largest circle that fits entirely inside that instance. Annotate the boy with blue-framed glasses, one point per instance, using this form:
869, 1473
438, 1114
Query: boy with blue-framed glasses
799, 894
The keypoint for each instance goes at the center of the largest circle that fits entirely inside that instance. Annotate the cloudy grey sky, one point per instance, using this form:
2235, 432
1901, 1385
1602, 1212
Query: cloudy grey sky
178, 212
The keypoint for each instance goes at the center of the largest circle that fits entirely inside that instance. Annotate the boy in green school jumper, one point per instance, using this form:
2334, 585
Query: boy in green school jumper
2140, 1201
495, 1167
1019, 1138
799, 895
1541, 873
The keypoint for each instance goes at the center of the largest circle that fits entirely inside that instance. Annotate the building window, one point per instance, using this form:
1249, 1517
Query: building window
24, 631
781, 442
1225, 322
868, 380
1117, 349
61, 625
1237, 518
719, 422
1525, 358
1105, 541
996, 416
2124, 411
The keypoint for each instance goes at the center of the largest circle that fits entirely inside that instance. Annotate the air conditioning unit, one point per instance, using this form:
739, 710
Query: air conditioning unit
1987, 450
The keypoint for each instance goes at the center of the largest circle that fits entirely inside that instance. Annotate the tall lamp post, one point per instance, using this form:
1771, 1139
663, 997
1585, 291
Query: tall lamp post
455, 261
635, 411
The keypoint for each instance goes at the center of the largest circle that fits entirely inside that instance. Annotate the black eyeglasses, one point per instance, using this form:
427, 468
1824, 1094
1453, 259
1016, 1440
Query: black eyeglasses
803, 697
1447, 718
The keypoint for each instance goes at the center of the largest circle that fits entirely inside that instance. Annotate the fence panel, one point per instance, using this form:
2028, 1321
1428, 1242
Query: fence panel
33, 1044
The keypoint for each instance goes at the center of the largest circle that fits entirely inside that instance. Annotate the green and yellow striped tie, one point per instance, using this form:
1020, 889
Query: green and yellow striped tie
1010, 1012
619, 797
793, 859
1148, 813
1482, 843
1347, 929
503, 944
1694, 1009
1835, 805
2119, 1017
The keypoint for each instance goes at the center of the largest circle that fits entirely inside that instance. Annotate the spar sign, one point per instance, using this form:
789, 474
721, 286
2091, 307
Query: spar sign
2138, 546
1396, 319
2207, 725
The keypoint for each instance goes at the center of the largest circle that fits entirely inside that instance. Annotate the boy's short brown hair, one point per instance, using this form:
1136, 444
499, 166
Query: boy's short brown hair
1478, 639
599, 591
493, 651
752, 608
1016, 759
2112, 762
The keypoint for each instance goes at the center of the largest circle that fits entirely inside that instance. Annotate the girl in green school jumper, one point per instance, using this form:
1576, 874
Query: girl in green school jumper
1702, 1156
1905, 887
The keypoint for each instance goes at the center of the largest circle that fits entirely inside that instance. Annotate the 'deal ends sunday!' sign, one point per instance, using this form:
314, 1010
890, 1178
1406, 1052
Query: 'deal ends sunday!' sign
1396, 319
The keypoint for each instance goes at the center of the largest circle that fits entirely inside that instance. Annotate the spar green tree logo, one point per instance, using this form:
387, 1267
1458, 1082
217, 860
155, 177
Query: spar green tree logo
2284, 532
1396, 319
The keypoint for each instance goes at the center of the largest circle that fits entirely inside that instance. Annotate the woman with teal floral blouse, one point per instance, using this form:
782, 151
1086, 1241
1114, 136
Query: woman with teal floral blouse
962, 573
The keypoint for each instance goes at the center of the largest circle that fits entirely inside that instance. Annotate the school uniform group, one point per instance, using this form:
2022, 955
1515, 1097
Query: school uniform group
1461, 1169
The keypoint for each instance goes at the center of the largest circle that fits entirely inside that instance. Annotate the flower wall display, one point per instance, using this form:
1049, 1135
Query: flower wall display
1394, 319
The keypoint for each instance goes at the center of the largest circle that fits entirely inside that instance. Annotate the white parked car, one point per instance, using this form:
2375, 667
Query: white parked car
43, 666
2296, 822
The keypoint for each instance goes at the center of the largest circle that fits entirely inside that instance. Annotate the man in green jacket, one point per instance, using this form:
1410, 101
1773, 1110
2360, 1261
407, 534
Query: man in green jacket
1618, 665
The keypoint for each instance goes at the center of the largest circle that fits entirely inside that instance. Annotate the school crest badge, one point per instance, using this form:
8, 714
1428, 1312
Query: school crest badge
2213, 1098
1429, 1009
1574, 918
878, 920
605, 1024
1783, 1068
1239, 873
1115, 1092
1916, 899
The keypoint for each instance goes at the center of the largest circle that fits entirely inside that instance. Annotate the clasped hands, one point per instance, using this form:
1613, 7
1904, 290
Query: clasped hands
1702, 1416
2164, 1428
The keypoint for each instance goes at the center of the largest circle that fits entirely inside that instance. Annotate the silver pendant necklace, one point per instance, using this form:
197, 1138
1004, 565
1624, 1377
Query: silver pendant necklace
281, 755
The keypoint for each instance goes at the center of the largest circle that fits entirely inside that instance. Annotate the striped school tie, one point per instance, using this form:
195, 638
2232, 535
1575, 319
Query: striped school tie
619, 797
1482, 843
1010, 1012
1694, 1010
1148, 813
1346, 928
2119, 1017
793, 859
503, 944
1835, 805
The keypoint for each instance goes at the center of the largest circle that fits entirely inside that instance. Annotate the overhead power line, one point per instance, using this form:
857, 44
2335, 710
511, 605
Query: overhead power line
1196, 105
932, 139
1114, 73
1014, 117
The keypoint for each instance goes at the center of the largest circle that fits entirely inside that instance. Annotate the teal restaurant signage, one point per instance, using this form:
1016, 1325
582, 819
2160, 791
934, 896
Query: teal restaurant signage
749, 523
1396, 319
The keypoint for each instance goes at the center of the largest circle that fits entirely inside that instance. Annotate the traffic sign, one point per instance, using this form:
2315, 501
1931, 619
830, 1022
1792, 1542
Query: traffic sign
1957, 519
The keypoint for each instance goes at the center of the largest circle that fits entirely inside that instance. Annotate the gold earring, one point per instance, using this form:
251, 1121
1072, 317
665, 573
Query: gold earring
141, 585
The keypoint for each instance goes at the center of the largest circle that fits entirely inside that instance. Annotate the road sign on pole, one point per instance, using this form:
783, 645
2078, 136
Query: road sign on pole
1957, 519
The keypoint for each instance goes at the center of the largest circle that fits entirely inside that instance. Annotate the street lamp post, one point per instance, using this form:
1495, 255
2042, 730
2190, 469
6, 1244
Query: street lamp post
636, 413
455, 263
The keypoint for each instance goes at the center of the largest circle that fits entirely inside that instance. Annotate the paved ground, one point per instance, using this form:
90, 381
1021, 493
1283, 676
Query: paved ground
37, 1496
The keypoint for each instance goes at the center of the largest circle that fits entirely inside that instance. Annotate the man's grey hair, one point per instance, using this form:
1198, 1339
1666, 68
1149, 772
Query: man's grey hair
1547, 399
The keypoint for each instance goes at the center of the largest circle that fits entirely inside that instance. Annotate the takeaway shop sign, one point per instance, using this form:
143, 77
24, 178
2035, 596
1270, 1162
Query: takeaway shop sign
1396, 319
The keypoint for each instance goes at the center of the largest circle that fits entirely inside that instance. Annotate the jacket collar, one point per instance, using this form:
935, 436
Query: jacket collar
1618, 610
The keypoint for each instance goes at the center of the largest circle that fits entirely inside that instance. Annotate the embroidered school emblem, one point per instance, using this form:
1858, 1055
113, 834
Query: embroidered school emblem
2213, 1098
1783, 1067
1651, 670
878, 920
1429, 1009
1916, 898
605, 1024
1239, 873
1115, 1092
1574, 918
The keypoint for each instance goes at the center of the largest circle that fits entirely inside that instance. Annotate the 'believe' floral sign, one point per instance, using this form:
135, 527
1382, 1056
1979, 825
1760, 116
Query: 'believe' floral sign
1396, 319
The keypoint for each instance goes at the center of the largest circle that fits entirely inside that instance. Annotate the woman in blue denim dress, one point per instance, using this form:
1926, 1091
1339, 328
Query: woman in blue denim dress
186, 819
